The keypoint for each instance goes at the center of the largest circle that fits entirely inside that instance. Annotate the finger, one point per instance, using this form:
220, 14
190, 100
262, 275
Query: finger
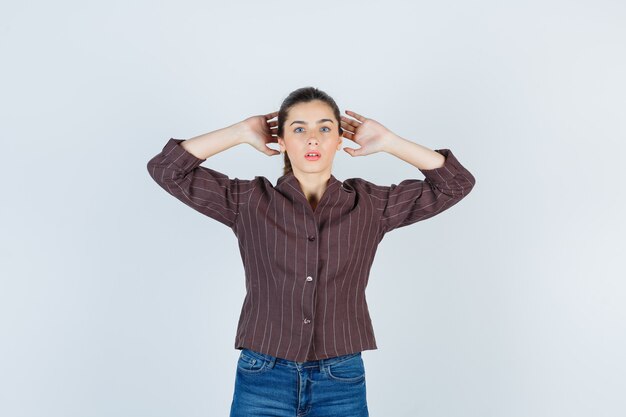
348, 135
271, 115
356, 115
350, 122
352, 151
348, 126
349, 130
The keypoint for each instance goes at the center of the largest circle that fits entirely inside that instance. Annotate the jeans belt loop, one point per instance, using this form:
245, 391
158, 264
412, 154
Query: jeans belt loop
271, 362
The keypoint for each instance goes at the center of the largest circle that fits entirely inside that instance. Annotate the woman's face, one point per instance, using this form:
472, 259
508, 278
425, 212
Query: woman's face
310, 127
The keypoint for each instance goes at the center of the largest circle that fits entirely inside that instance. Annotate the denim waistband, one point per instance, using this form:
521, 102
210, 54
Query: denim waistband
320, 363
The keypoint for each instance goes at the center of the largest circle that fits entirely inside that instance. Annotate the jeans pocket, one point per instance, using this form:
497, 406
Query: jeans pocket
251, 365
349, 370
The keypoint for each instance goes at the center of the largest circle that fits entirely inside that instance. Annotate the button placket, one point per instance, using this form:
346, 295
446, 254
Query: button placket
313, 265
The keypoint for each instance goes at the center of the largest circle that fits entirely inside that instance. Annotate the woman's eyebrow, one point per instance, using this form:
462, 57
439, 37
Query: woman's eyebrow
319, 121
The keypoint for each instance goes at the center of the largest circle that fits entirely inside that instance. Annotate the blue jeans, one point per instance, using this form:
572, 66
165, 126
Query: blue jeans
270, 386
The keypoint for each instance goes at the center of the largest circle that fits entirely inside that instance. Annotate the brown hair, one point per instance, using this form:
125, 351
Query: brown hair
303, 95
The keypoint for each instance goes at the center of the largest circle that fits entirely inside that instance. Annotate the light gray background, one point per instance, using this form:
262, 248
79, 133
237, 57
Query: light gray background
118, 300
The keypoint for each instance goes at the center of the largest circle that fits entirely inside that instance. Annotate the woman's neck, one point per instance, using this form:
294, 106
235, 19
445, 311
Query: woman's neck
313, 185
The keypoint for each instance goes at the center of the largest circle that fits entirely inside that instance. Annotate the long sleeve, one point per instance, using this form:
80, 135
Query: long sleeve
208, 191
413, 200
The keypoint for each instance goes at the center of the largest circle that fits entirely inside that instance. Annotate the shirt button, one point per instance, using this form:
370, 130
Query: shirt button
307, 321
311, 237
309, 278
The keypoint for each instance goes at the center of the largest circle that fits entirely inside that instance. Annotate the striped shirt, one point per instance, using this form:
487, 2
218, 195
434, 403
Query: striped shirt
306, 269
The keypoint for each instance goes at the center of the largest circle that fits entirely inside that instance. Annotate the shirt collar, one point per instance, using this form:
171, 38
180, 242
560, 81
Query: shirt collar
290, 178
288, 184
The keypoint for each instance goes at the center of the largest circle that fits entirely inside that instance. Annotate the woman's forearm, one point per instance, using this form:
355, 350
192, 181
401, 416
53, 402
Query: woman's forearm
208, 144
415, 154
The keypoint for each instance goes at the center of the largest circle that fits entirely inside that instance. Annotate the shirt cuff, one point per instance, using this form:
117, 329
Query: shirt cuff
446, 172
179, 157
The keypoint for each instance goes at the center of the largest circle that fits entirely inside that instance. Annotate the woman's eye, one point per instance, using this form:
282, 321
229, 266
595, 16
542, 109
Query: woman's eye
325, 127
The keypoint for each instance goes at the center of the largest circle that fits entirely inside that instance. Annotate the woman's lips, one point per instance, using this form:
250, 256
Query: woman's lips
315, 156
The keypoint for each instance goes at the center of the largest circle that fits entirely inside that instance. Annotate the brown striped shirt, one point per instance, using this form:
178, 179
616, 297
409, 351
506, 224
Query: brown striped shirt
306, 269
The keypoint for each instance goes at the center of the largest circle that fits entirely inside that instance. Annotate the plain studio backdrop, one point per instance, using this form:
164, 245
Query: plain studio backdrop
116, 299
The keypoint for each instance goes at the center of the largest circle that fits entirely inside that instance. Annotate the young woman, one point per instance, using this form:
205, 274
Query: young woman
307, 244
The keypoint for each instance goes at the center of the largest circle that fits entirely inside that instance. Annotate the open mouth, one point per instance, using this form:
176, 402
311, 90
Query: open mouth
312, 155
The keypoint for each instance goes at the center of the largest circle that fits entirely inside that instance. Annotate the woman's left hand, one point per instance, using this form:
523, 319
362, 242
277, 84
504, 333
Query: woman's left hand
367, 133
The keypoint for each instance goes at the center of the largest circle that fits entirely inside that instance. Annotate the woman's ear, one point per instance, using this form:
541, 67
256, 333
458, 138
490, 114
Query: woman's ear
281, 143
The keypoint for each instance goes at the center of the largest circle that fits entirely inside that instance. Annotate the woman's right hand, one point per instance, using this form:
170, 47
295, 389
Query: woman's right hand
258, 131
